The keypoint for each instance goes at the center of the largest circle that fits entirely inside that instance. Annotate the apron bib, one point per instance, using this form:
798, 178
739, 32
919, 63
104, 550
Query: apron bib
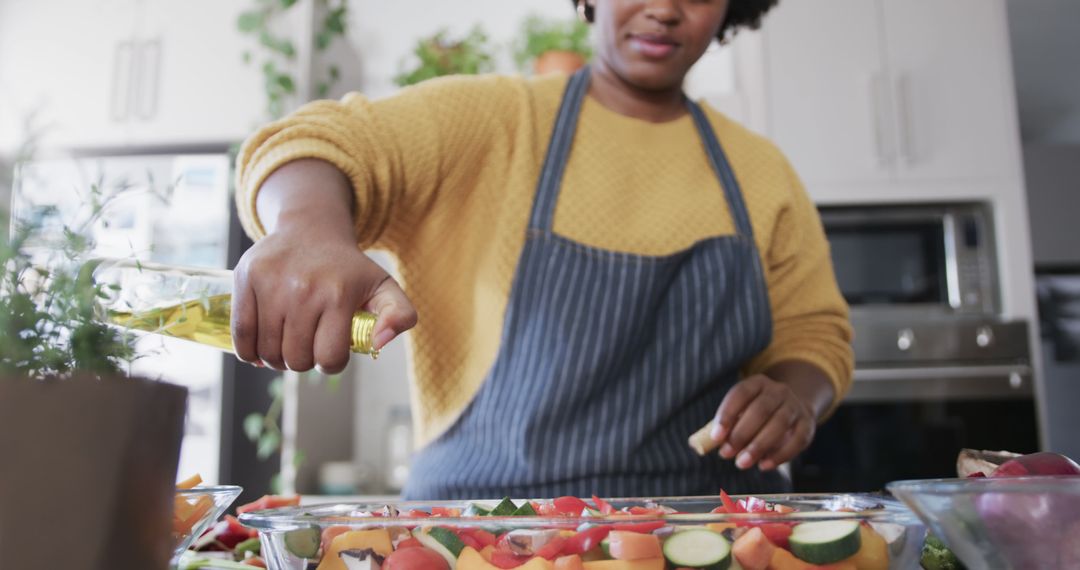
608, 360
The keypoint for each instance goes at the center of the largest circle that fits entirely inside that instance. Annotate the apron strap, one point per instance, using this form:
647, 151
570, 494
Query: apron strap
723, 170
558, 152
562, 137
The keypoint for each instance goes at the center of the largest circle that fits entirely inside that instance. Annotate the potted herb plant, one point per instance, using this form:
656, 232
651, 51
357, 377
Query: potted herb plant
442, 54
553, 46
89, 455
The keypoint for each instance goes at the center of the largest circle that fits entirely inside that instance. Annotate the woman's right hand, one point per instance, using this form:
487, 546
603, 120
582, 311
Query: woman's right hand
295, 291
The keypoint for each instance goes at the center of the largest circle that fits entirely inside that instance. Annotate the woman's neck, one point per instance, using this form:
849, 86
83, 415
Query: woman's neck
615, 93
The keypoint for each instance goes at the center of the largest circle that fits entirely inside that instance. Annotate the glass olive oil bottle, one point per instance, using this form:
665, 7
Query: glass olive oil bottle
184, 302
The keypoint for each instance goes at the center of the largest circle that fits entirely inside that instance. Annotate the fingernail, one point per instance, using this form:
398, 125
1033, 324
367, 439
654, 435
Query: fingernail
258, 364
384, 336
767, 465
744, 461
719, 432
726, 451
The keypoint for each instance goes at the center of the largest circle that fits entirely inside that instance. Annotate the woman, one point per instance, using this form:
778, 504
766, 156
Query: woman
596, 276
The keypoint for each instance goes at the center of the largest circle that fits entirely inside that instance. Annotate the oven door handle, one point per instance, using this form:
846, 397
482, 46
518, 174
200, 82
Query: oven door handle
1015, 373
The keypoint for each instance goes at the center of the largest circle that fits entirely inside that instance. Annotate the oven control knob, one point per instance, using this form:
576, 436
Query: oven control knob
905, 340
984, 336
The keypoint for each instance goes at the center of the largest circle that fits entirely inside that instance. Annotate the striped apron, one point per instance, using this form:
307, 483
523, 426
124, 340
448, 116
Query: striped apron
609, 360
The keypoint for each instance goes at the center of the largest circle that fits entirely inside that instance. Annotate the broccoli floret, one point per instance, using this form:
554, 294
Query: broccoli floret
937, 556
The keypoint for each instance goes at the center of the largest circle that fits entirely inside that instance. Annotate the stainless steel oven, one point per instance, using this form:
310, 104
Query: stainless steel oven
938, 367
922, 282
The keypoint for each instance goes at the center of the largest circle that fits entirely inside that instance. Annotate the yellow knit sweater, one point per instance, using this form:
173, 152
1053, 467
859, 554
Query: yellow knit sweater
444, 175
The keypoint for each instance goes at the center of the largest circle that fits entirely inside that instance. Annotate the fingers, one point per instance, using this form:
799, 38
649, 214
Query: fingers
796, 440
298, 339
732, 407
332, 346
769, 438
755, 414
395, 311
762, 421
268, 344
245, 321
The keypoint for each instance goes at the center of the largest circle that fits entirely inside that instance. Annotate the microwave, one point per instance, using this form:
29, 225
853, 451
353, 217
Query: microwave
931, 260
922, 283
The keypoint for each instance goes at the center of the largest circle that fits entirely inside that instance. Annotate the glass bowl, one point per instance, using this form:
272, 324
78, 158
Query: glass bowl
297, 537
1001, 523
195, 509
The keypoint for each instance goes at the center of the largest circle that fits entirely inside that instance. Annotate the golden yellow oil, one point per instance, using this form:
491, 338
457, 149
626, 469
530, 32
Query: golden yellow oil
207, 321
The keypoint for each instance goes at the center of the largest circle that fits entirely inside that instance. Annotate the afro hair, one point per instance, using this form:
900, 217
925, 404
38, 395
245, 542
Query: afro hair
741, 14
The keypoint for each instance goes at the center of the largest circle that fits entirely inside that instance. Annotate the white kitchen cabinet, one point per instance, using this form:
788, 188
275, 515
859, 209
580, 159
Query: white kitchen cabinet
104, 73
825, 83
949, 67
193, 85
870, 93
64, 62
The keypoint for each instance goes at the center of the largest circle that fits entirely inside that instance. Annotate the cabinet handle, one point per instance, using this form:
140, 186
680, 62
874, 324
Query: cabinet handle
120, 93
905, 150
146, 103
877, 104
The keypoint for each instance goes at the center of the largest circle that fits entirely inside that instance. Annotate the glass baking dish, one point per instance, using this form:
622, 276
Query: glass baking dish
303, 538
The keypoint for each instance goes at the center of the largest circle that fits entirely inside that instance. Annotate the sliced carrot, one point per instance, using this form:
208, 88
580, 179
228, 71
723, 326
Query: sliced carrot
784, 560
753, 550
190, 482
572, 562
650, 564
633, 545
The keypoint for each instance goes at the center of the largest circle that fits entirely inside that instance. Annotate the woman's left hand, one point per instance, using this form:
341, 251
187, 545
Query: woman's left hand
767, 422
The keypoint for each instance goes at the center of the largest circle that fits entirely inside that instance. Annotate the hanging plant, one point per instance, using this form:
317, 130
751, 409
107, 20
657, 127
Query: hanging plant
275, 54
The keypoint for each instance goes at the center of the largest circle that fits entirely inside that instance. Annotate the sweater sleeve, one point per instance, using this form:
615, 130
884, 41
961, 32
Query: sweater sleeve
810, 316
403, 153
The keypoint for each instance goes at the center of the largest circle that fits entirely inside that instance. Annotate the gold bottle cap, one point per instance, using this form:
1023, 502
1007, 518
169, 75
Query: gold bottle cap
363, 330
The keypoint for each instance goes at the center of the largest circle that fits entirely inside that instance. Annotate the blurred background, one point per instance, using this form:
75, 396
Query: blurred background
940, 139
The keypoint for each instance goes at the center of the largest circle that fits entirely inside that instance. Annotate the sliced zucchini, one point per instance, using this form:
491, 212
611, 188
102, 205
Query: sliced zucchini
441, 540
825, 542
303, 542
698, 548
504, 509
525, 510
605, 546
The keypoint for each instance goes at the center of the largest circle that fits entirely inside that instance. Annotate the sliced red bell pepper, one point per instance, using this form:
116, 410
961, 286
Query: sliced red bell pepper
641, 527
469, 541
569, 505
586, 540
553, 549
415, 514
481, 536
269, 502
445, 512
729, 505
409, 543
635, 510
603, 506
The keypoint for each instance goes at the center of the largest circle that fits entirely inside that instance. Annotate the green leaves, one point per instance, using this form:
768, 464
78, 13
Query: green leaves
540, 36
277, 53
441, 55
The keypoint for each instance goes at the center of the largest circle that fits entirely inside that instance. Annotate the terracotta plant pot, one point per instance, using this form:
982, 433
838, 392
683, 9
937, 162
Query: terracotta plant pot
88, 472
566, 62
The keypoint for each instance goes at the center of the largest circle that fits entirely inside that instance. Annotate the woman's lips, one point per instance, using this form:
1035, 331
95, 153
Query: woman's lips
653, 46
